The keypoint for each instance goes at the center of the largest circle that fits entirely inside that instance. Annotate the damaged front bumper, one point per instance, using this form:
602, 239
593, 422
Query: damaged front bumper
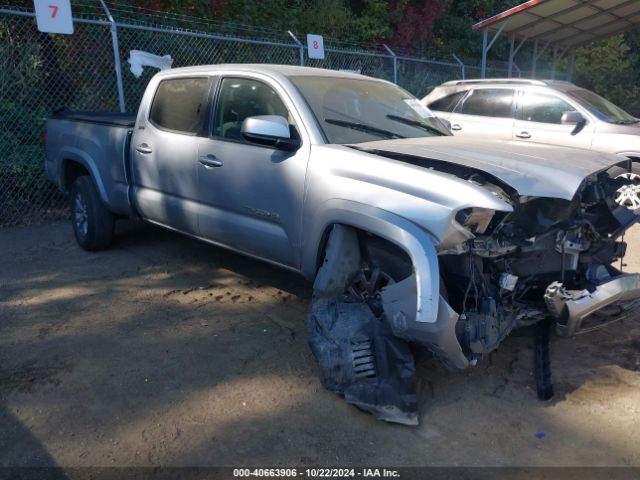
571, 307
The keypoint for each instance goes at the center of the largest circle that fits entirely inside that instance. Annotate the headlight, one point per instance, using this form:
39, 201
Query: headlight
475, 219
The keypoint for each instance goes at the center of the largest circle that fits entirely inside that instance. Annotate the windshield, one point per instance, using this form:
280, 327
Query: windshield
601, 107
351, 110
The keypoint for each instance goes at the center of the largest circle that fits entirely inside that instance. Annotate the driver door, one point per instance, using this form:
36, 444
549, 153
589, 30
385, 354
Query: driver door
250, 195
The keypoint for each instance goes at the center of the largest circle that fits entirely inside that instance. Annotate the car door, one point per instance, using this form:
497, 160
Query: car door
486, 113
166, 151
538, 120
251, 195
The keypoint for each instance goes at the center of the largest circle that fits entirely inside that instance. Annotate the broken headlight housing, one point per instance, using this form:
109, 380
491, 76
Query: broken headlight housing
475, 219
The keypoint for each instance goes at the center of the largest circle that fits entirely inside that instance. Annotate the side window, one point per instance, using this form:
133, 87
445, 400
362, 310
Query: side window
180, 105
240, 98
543, 108
489, 102
448, 103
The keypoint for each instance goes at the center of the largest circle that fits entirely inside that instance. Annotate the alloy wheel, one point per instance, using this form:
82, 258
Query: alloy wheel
80, 216
629, 195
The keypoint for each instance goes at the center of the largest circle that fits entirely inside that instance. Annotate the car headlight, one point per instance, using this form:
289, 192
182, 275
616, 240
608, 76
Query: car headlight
475, 219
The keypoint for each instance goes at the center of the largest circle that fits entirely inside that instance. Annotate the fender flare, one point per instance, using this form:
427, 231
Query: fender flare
72, 154
416, 242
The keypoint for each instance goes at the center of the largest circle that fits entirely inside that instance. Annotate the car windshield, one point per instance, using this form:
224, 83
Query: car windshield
602, 108
353, 110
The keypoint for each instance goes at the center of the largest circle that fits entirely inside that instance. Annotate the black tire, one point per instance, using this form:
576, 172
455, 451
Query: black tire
92, 222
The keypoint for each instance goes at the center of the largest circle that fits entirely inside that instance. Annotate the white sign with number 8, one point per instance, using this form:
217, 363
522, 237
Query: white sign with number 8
53, 16
315, 46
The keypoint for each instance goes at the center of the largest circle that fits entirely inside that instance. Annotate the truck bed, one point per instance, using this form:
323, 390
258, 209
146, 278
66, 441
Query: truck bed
98, 141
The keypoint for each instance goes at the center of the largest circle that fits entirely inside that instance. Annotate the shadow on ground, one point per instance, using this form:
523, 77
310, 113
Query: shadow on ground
167, 351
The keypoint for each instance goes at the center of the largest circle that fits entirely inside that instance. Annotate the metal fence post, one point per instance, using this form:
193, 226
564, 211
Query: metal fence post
461, 63
395, 63
116, 56
300, 47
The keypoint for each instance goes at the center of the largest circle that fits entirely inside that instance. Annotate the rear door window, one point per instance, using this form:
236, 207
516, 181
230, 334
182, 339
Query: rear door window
180, 105
448, 103
489, 102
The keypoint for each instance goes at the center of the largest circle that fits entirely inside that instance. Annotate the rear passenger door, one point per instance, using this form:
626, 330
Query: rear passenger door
165, 149
486, 113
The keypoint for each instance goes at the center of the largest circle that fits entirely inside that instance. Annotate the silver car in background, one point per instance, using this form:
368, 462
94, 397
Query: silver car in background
550, 112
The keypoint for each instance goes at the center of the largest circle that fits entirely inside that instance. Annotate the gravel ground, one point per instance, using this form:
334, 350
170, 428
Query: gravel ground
166, 351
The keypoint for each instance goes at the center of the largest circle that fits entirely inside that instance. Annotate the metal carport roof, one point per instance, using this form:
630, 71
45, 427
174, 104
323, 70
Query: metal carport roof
564, 24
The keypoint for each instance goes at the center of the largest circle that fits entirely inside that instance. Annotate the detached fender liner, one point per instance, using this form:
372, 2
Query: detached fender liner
358, 355
360, 358
367, 357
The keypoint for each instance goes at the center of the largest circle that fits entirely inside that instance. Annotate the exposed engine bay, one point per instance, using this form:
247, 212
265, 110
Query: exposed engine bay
548, 259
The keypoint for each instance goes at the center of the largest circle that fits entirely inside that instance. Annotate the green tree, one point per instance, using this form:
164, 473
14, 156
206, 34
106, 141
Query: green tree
610, 68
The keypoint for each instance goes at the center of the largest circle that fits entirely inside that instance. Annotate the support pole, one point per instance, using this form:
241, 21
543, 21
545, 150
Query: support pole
487, 46
461, 63
300, 47
485, 36
512, 42
537, 54
395, 63
116, 56
553, 65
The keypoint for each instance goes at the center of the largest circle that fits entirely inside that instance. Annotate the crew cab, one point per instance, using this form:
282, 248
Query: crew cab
409, 234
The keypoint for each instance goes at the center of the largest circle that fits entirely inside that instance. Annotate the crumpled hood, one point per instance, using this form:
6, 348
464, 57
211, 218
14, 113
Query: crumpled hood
531, 169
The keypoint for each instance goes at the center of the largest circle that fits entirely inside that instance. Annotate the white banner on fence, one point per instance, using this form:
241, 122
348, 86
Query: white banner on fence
315, 46
54, 16
139, 59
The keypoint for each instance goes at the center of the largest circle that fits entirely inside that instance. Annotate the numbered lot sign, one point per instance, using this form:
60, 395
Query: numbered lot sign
315, 46
53, 16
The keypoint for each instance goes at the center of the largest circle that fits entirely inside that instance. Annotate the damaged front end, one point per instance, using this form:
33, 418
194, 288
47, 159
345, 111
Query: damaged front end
549, 257
499, 270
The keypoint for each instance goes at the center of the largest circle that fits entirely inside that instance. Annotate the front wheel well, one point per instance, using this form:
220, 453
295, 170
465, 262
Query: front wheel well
392, 258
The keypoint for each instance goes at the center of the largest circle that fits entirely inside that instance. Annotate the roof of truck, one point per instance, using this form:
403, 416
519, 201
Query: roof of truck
270, 69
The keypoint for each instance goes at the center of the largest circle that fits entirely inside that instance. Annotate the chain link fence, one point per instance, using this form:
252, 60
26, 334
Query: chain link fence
41, 73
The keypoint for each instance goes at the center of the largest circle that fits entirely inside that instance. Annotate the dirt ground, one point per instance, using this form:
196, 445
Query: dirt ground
167, 351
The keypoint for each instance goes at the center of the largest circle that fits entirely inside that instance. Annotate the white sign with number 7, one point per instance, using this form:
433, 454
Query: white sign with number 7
315, 46
54, 16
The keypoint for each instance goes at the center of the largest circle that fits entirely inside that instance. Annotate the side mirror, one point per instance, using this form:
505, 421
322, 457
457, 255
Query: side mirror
269, 130
571, 118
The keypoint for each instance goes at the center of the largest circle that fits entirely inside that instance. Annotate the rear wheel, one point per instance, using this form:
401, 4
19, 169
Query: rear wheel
92, 222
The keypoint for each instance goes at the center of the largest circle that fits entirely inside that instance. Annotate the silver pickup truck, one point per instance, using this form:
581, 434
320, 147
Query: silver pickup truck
412, 237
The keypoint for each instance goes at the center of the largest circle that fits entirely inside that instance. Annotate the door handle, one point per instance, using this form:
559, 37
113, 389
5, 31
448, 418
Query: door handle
144, 148
523, 135
209, 161
456, 127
